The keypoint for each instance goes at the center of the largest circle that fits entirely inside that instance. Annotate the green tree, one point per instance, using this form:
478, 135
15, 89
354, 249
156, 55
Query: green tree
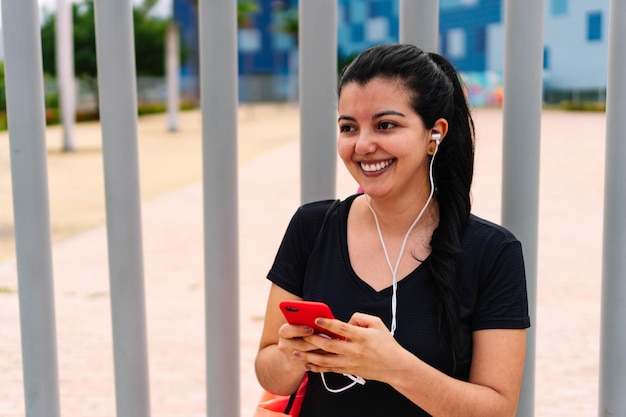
289, 23
3, 102
150, 37
245, 10
147, 5
149, 43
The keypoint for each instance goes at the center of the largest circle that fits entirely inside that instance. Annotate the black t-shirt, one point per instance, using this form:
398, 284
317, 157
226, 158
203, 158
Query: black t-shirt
492, 293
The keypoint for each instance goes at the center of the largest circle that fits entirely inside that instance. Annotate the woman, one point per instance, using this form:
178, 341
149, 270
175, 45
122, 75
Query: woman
430, 299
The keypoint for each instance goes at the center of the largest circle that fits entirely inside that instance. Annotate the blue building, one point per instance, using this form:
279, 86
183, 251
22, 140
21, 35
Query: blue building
576, 49
471, 37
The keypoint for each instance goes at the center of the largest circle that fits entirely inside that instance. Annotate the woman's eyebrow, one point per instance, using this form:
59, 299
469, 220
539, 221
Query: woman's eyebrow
387, 113
348, 118
375, 116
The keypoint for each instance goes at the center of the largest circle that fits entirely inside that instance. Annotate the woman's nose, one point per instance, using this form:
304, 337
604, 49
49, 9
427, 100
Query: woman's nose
365, 143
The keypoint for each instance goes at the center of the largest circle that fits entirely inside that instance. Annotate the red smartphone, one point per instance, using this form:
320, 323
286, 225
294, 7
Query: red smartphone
305, 313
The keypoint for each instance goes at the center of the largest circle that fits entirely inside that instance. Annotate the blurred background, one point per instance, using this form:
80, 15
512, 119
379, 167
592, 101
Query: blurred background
470, 35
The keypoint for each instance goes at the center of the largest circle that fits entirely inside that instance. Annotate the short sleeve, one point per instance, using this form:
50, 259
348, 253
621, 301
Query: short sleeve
290, 263
501, 299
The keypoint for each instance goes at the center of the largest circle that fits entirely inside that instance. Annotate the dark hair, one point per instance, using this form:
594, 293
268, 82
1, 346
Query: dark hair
437, 92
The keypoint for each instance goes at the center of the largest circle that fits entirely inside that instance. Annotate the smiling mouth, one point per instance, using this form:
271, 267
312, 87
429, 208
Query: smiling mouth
378, 166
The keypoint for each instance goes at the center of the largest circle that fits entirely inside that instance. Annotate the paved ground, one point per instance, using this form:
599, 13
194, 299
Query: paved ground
569, 264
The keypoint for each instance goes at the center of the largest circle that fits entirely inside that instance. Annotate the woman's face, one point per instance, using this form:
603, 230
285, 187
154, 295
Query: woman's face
382, 141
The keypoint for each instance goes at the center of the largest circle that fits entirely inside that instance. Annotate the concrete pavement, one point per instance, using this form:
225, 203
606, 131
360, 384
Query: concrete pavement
569, 269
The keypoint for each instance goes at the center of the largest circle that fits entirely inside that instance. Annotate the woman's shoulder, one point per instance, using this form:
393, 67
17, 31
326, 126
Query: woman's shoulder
479, 228
319, 209
315, 208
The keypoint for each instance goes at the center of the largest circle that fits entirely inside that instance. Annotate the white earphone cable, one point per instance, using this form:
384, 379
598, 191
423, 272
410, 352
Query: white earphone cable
357, 379
394, 270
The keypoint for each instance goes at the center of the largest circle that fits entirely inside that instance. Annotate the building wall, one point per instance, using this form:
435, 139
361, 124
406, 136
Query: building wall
362, 24
471, 37
576, 44
463, 32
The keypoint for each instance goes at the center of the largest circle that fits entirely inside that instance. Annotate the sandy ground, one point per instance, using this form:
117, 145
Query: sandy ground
167, 161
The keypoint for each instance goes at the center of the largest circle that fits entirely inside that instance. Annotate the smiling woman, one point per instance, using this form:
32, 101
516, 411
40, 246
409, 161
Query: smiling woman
430, 301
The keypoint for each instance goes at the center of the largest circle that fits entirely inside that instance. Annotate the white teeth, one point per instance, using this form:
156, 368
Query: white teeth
375, 167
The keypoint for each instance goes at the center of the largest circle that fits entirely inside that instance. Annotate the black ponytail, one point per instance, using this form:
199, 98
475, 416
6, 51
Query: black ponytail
452, 171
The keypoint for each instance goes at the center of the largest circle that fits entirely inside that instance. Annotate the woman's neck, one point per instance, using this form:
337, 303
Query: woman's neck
395, 217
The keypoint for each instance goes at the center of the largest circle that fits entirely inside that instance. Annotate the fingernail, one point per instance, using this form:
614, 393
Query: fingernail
297, 354
308, 330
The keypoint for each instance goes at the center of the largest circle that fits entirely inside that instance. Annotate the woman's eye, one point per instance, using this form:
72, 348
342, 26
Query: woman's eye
386, 125
346, 129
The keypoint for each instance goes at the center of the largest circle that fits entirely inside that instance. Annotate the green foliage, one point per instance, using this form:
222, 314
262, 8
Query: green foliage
587, 106
245, 11
150, 48
289, 23
85, 64
156, 108
3, 101
150, 35
147, 5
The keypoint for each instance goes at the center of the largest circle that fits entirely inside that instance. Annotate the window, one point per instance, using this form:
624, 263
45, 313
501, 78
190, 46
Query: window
455, 4
594, 26
558, 7
381, 8
376, 29
546, 58
480, 40
456, 43
249, 40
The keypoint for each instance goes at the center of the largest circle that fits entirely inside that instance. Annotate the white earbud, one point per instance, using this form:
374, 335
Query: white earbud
437, 138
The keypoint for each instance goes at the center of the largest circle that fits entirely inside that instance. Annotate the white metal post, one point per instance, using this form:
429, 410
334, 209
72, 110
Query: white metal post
612, 401
117, 85
65, 71
419, 23
26, 117
218, 87
523, 70
173, 76
318, 98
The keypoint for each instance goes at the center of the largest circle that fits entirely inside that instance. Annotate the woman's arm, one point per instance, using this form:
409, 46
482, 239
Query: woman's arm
277, 369
494, 382
372, 353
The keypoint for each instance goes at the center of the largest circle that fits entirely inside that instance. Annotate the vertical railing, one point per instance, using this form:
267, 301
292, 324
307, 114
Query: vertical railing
118, 115
172, 66
523, 70
419, 23
26, 117
65, 71
218, 87
318, 98
612, 401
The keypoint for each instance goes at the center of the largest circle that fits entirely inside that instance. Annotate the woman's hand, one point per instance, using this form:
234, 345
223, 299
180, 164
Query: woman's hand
293, 338
368, 350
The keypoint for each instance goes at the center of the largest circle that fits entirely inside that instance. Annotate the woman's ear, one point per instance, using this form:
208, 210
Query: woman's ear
439, 130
